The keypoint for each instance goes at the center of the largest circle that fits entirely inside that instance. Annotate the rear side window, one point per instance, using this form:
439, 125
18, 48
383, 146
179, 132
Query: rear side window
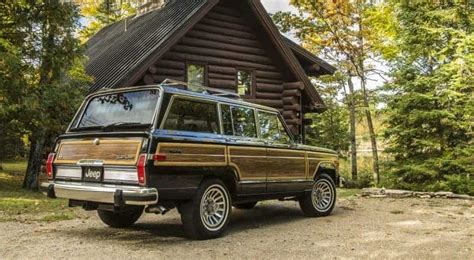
244, 122
193, 116
227, 120
269, 129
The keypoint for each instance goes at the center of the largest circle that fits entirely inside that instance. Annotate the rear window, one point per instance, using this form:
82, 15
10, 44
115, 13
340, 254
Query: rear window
193, 116
136, 107
244, 122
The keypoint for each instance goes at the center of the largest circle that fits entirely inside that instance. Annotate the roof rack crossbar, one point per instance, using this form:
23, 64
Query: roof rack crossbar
197, 88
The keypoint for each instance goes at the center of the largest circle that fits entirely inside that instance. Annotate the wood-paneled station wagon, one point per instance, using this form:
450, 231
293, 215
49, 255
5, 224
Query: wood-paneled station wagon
155, 148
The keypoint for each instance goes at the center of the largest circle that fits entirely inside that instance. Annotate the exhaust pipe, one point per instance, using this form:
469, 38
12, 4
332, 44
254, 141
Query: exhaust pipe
156, 209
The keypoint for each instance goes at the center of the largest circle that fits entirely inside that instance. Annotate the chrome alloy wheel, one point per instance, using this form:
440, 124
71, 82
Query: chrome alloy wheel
322, 195
214, 207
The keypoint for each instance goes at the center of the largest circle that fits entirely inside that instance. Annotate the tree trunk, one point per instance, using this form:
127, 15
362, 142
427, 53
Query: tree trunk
352, 117
35, 160
373, 139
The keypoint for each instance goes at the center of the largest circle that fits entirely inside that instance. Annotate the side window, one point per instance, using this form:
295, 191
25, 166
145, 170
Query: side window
244, 122
284, 136
244, 82
196, 74
269, 128
227, 120
193, 116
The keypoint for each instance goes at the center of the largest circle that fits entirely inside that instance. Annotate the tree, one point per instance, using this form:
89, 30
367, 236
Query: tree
43, 97
330, 129
339, 30
102, 13
430, 107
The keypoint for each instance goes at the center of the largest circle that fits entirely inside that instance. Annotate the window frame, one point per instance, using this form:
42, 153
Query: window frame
206, 71
257, 129
253, 88
196, 99
280, 119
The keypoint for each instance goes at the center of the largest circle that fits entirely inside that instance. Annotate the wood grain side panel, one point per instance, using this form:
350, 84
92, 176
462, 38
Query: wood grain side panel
284, 164
250, 162
111, 151
315, 159
181, 154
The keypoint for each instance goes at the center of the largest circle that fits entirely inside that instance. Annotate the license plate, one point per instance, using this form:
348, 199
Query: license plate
92, 174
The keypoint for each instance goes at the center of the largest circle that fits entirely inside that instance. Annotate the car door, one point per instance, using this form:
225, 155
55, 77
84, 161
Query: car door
246, 153
286, 166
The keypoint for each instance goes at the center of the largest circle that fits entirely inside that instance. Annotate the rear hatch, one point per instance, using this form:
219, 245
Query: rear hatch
106, 142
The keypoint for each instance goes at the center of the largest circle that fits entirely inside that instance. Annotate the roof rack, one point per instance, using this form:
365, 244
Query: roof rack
201, 89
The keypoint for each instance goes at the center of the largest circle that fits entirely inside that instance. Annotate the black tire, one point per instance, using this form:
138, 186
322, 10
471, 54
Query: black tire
199, 214
120, 219
316, 203
248, 205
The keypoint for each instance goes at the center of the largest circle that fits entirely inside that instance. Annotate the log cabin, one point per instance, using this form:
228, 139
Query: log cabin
226, 44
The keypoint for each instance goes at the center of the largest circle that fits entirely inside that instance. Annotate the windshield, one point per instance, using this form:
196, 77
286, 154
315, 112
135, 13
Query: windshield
120, 109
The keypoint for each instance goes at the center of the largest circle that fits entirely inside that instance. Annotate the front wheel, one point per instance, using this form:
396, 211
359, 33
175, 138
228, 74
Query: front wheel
207, 214
120, 219
322, 198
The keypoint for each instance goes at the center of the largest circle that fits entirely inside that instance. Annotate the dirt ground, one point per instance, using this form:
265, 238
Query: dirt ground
358, 228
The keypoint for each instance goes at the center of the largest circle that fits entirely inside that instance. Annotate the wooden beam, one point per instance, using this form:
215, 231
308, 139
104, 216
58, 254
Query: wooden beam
289, 101
266, 95
263, 87
294, 85
217, 61
220, 83
224, 31
225, 24
224, 38
212, 52
269, 74
222, 70
223, 46
179, 65
292, 93
222, 76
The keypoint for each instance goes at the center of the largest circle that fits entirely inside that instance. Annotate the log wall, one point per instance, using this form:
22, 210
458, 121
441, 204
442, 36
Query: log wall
225, 41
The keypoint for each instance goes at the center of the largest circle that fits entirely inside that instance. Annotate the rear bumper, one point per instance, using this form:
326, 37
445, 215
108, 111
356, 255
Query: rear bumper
119, 195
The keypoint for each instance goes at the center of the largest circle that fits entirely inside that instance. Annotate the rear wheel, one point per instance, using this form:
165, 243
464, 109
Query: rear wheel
207, 214
248, 205
322, 198
121, 219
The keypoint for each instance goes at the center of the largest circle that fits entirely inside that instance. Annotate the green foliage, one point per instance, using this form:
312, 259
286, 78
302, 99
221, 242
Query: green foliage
330, 129
42, 76
430, 107
103, 13
17, 204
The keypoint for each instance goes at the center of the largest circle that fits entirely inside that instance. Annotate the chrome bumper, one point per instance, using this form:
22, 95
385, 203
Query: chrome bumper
119, 195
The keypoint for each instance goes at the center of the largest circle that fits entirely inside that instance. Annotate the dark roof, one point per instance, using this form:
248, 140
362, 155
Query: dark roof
126, 48
310, 57
116, 50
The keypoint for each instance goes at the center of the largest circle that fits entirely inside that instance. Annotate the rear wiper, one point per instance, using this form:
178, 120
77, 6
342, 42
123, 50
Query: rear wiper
124, 125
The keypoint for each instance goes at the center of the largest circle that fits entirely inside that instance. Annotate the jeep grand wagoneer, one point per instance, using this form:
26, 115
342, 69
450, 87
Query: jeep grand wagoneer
155, 148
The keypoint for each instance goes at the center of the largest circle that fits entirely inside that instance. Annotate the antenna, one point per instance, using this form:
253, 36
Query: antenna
201, 89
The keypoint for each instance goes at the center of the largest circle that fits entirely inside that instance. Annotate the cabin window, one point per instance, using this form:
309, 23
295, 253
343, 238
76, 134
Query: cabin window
269, 129
196, 74
244, 122
192, 116
244, 82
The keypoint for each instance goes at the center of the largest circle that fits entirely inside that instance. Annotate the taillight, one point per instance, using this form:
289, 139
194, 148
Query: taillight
141, 169
49, 166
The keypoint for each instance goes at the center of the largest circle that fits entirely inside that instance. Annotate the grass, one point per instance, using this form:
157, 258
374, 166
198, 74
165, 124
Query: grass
17, 204
346, 193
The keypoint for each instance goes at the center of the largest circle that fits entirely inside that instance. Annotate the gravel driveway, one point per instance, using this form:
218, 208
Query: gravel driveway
358, 228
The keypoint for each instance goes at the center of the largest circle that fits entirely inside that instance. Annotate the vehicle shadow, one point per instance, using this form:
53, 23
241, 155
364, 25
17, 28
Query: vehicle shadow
168, 230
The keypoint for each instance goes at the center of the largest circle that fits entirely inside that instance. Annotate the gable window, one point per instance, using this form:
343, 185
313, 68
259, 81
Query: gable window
244, 82
196, 74
192, 116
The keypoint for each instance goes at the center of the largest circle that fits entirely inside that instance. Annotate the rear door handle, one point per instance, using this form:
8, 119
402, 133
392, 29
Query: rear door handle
231, 140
